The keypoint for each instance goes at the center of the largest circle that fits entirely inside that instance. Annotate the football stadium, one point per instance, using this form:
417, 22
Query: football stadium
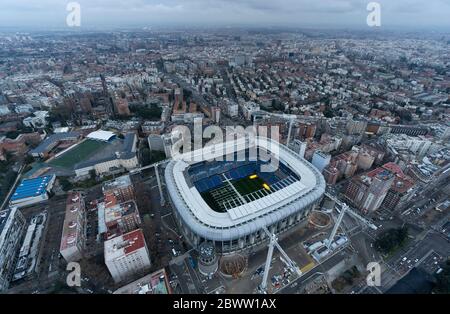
228, 203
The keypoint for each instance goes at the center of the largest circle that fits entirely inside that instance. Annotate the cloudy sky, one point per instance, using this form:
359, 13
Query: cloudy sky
155, 13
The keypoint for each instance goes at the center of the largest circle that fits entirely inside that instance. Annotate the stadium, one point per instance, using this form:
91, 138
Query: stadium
228, 203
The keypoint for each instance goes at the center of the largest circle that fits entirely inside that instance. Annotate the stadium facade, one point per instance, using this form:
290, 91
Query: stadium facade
228, 203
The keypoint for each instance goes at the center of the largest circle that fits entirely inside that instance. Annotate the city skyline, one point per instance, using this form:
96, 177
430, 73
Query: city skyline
113, 14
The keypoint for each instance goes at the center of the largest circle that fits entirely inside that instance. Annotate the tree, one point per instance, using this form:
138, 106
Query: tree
145, 156
92, 174
12, 134
29, 159
148, 113
443, 279
328, 112
391, 240
65, 184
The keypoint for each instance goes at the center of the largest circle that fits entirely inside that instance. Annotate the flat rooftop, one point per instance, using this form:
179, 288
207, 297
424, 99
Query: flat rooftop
117, 211
71, 229
154, 283
119, 182
124, 244
31, 187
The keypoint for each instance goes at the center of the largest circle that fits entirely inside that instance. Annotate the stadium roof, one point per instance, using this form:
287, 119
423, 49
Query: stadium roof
124, 149
249, 217
48, 143
31, 187
101, 135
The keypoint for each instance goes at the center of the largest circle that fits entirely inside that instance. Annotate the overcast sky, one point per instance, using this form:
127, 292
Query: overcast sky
131, 13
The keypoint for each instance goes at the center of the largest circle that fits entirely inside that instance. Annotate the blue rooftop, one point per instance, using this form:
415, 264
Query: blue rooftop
31, 187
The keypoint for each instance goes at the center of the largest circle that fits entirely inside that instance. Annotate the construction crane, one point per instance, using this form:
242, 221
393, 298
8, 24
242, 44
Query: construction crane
345, 209
272, 244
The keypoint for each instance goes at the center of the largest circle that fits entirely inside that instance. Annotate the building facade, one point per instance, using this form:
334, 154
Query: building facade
12, 229
73, 237
127, 255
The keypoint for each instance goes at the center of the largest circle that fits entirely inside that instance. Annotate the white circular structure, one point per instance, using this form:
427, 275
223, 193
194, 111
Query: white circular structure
292, 189
208, 262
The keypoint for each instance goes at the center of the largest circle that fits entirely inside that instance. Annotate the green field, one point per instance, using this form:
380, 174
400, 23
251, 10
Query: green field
244, 186
77, 154
247, 185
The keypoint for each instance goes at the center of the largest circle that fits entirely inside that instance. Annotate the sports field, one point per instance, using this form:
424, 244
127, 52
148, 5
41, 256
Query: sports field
80, 153
249, 189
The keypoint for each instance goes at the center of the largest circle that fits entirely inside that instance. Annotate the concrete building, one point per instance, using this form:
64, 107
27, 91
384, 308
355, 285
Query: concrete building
32, 191
364, 160
152, 127
154, 283
121, 218
127, 255
249, 108
12, 228
74, 228
27, 259
298, 146
330, 174
156, 142
232, 109
356, 127
122, 107
121, 188
47, 145
367, 192
320, 160
215, 114
38, 121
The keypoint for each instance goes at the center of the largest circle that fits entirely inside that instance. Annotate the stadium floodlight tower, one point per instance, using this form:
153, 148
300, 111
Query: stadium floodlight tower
291, 121
158, 180
272, 244
330, 239
345, 209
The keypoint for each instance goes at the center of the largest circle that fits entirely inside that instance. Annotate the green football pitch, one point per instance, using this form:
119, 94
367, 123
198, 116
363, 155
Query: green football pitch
79, 153
223, 194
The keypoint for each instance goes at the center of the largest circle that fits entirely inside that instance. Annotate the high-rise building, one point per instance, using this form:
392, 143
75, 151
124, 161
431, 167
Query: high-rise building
299, 147
215, 114
127, 255
320, 160
306, 130
12, 227
73, 235
121, 188
331, 174
121, 218
367, 192
122, 107
232, 109
378, 188
178, 98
